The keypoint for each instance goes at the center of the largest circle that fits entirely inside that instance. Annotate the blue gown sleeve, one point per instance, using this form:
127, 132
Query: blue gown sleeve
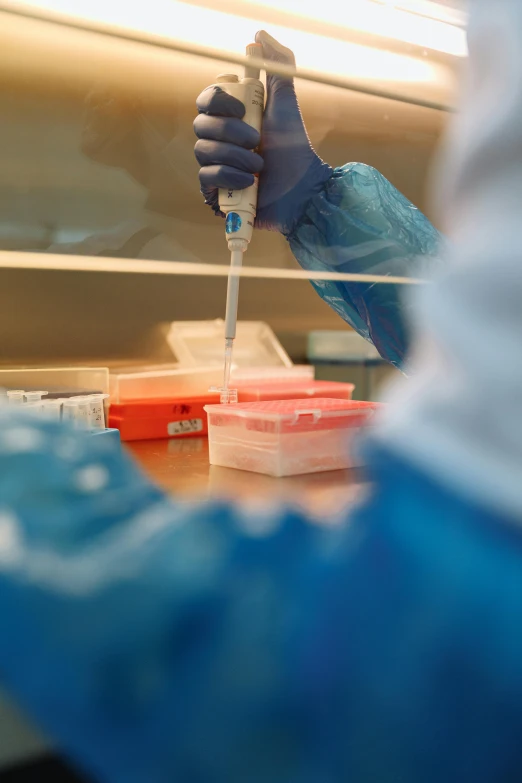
360, 223
158, 641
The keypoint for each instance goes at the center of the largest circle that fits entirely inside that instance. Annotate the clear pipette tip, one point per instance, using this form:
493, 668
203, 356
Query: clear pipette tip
226, 395
229, 344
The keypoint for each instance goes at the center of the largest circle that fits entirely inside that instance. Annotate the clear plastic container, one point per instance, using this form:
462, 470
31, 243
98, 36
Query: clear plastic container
57, 381
288, 437
293, 390
202, 343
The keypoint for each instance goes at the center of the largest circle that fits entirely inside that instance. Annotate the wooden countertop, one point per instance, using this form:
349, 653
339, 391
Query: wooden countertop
181, 467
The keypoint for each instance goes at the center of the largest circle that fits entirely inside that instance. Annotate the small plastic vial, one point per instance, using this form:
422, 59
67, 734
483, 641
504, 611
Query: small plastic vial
97, 411
34, 396
52, 409
34, 408
83, 413
15, 396
70, 410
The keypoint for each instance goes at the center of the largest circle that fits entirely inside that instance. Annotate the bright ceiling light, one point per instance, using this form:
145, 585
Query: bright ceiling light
215, 29
383, 19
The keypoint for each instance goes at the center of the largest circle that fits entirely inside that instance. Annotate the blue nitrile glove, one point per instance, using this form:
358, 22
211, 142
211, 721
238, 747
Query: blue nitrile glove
292, 171
351, 220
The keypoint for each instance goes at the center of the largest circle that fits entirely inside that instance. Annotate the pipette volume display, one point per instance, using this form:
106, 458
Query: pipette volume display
239, 206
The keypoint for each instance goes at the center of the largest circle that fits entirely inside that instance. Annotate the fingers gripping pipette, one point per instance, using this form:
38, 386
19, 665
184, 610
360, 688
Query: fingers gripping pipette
239, 206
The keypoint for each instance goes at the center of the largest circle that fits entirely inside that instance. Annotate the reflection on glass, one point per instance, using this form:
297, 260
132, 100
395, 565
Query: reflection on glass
96, 158
141, 140
105, 167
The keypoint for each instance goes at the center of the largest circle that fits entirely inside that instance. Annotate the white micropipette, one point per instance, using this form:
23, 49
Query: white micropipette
239, 206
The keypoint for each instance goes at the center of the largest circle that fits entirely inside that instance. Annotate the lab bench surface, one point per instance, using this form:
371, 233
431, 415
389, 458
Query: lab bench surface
181, 467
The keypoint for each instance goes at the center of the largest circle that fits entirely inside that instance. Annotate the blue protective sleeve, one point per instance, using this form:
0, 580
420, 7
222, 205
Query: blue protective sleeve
360, 223
160, 641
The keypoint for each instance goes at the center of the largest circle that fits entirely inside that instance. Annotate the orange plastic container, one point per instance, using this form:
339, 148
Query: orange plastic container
181, 417
184, 416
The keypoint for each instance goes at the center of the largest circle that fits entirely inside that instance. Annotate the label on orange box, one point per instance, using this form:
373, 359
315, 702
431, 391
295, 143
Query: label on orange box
184, 426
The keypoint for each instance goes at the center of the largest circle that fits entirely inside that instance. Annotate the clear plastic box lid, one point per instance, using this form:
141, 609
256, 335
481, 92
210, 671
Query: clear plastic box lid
292, 415
161, 382
201, 343
57, 380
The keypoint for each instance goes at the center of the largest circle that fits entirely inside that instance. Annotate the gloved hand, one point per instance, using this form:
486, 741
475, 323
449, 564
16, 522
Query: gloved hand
291, 170
351, 220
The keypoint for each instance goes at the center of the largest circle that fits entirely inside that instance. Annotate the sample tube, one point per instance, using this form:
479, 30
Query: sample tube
52, 409
97, 411
34, 408
34, 399
15, 396
34, 396
83, 413
70, 410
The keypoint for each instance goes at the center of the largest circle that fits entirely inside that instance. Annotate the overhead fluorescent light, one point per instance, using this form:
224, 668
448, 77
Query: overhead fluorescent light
197, 24
385, 18
451, 11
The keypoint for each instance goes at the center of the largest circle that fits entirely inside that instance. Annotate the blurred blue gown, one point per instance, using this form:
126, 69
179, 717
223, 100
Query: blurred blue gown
158, 641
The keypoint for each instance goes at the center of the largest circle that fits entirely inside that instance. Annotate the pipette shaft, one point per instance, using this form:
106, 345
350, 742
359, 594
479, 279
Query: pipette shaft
240, 206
